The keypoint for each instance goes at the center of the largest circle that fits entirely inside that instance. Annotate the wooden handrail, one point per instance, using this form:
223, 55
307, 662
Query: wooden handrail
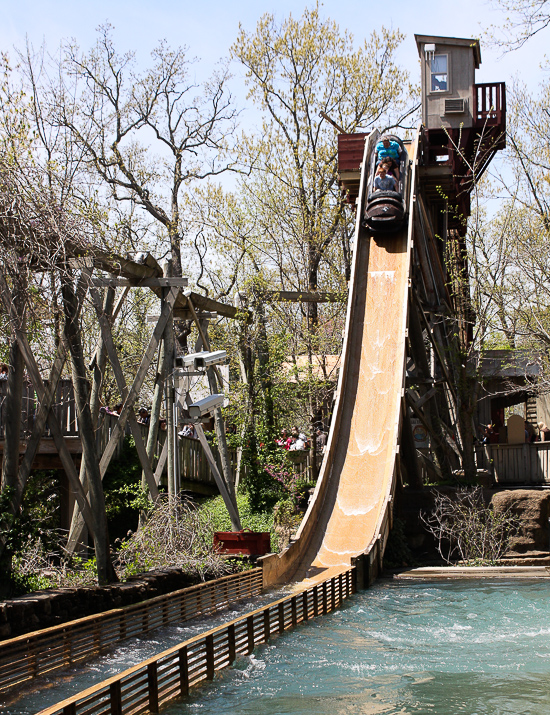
146, 687
35, 654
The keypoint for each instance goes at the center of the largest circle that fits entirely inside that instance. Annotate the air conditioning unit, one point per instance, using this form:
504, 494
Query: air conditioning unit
455, 106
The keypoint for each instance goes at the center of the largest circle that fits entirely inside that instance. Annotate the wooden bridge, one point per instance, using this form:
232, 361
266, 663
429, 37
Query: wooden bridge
195, 472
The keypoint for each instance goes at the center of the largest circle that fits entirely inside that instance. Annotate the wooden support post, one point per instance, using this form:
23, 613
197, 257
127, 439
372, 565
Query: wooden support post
128, 406
153, 687
209, 642
293, 611
115, 692
184, 671
305, 606
281, 617
250, 633
38, 384
231, 642
73, 335
267, 624
171, 423
121, 384
316, 601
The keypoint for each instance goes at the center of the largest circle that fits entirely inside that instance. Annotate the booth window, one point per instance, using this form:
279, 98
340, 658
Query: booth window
439, 73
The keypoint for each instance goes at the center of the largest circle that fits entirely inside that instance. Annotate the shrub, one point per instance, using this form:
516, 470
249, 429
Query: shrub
468, 530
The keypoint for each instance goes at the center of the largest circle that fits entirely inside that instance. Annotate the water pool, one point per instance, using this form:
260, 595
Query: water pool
440, 648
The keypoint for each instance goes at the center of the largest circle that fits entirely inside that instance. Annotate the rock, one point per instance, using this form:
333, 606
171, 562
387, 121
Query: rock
533, 508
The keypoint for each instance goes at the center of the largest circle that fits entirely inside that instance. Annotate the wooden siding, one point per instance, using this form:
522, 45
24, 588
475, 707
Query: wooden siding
350, 151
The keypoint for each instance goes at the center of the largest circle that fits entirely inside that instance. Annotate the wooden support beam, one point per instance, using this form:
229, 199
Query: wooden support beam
123, 388
293, 296
140, 282
436, 346
133, 393
116, 311
47, 400
55, 429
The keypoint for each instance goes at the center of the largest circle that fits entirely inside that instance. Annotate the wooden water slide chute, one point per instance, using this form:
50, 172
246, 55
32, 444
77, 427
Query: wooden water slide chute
386, 377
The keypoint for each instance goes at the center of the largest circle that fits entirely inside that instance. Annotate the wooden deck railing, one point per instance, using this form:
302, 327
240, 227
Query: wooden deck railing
48, 650
490, 105
148, 686
64, 408
521, 463
194, 466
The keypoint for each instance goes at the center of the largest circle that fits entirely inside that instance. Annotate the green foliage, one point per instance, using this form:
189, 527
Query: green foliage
124, 496
27, 583
250, 517
39, 515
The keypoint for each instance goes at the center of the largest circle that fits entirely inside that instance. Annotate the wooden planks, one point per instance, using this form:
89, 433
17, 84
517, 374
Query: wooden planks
522, 463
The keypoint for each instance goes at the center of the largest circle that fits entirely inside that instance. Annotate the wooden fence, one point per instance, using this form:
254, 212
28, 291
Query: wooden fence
153, 683
521, 463
193, 464
35, 654
63, 407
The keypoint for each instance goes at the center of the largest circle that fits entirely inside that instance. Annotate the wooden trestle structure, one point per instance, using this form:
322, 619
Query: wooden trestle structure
51, 436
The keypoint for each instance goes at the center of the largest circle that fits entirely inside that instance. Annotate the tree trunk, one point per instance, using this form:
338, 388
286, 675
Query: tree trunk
99, 366
262, 347
105, 571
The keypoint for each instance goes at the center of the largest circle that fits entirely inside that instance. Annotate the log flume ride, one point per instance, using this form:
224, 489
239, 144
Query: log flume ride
350, 512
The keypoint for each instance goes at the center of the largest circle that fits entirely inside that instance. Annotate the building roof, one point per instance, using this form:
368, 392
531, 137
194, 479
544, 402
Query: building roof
321, 365
456, 41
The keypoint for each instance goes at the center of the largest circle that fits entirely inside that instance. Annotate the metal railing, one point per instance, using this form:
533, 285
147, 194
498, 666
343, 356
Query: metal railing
148, 686
35, 654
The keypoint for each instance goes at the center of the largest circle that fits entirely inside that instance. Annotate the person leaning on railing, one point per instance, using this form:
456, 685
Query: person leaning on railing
544, 432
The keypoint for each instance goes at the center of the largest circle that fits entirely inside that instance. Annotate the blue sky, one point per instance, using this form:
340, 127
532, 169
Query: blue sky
208, 28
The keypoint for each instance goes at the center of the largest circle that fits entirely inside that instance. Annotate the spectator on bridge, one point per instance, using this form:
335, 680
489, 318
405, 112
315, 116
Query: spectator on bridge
284, 440
320, 441
117, 409
4, 371
544, 432
530, 434
188, 431
143, 417
299, 443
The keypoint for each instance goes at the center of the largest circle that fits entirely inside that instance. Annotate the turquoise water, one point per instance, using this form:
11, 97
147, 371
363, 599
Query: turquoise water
41, 693
435, 648
438, 648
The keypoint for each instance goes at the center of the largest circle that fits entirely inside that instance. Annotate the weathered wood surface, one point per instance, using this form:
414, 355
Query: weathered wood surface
521, 463
149, 685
